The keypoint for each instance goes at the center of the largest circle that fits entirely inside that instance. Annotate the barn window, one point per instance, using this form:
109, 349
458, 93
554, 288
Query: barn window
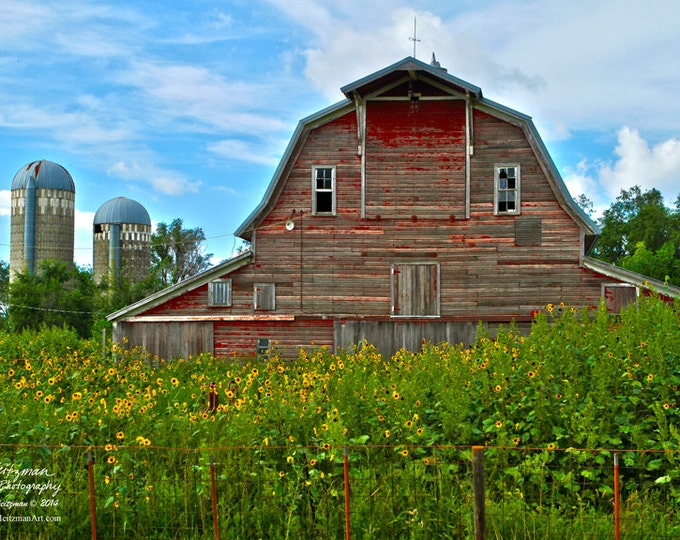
264, 296
415, 290
618, 296
219, 292
323, 187
506, 192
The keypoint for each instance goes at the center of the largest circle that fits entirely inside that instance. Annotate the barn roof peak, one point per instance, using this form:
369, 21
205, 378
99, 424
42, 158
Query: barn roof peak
413, 69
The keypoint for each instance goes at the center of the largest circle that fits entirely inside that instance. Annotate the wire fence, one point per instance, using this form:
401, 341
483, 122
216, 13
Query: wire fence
361, 491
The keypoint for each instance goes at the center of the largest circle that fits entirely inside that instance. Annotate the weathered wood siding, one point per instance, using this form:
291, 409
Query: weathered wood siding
415, 165
239, 339
390, 336
166, 340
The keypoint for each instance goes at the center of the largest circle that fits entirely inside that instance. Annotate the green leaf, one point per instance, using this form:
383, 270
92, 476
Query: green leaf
654, 464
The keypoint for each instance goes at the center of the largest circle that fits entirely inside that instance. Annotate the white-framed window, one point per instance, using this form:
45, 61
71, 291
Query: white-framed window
506, 198
415, 289
264, 296
219, 292
323, 190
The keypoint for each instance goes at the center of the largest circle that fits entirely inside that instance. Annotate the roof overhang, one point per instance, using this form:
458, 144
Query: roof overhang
632, 278
413, 69
182, 287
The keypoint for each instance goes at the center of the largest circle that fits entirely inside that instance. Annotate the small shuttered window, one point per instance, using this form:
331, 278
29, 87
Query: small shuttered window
528, 231
415, 290
264, 296
618, 297
219, 292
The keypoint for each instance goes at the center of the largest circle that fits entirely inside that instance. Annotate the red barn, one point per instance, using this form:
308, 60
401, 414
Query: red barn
413, 210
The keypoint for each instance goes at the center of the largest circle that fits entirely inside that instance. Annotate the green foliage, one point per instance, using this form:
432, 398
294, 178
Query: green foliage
641, 234
177, 252
58, 294
661, 264
4, 291
550, 408
43, 344
122, 292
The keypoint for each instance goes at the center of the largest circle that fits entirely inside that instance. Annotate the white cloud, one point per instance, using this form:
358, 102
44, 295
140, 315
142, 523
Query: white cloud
5, 201
173, 185
74, 128
82, 252
182, 91
640, 164
637, 163
574, 64
162, 181
596, 59
68, 28
239, 150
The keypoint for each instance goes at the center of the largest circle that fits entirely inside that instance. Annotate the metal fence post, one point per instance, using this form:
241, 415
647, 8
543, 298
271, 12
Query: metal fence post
617, 500
478, 490
213, 489
93, 511
346, 477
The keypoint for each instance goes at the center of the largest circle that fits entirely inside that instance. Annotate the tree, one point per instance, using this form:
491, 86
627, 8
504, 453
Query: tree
585, 204
4, 288
662, 264
640, 233
177, 253
123, 292
58, 294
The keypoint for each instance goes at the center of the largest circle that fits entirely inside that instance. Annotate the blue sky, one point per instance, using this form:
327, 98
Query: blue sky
187, 107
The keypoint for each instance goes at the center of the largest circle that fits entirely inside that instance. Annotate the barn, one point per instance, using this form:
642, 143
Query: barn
413, 210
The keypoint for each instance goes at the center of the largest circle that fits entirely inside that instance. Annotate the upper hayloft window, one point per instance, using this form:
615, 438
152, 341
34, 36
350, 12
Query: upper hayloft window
219, 292
323, 187
506, 189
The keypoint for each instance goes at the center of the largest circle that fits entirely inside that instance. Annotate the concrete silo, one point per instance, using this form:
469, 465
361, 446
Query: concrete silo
42, 216
122, 241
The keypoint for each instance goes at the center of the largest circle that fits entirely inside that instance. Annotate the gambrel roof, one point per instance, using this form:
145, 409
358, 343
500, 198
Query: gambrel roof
411, 71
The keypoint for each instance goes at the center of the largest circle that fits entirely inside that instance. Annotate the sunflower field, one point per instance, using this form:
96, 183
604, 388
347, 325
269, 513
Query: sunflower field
550, 408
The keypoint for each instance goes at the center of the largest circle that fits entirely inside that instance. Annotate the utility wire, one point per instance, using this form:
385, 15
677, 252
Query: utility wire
35, 308
164, 244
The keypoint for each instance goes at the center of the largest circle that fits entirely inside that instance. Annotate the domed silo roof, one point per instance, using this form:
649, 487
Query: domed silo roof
122, 210
46, 175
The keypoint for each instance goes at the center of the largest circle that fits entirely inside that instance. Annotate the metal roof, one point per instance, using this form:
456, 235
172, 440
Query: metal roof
46, 175
411, 66
122, 210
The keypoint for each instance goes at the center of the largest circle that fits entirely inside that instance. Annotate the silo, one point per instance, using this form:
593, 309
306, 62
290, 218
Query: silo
122, 241
42, 223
